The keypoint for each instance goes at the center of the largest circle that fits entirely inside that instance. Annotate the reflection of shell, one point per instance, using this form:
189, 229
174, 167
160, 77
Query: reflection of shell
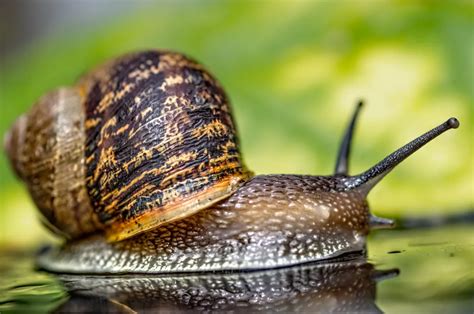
336, 287
143, 140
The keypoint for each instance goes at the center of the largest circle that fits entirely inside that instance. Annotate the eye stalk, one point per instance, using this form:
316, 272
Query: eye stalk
342, 163
368, 179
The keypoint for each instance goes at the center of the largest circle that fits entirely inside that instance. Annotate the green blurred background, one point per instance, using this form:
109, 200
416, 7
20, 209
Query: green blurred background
293, 70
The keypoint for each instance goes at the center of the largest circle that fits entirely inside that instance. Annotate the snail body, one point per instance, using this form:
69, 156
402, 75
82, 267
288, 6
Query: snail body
249, 230
138, 166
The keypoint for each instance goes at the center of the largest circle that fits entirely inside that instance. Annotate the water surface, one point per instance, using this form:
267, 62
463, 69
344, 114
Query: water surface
407, 271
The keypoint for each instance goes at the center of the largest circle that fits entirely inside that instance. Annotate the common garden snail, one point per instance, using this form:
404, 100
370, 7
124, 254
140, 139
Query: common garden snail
138, 167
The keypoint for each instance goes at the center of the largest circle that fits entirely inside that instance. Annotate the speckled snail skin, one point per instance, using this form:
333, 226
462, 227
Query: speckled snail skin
138, 167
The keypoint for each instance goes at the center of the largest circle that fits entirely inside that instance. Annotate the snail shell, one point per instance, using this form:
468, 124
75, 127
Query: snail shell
140, 141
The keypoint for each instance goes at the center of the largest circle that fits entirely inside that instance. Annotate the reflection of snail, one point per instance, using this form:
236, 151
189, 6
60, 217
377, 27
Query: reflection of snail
339, 287
144, 149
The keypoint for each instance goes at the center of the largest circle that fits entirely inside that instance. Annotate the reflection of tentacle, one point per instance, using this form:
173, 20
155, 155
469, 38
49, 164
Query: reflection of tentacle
380, 275
331, 287
461, 216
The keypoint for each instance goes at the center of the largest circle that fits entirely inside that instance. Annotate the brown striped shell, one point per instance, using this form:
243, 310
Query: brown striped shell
143, 140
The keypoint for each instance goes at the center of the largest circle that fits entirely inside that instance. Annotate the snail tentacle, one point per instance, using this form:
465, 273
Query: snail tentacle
380, 223
368, 179
342, 163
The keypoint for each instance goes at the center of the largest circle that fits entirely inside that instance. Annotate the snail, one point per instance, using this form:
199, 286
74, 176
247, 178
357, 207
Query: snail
138, 167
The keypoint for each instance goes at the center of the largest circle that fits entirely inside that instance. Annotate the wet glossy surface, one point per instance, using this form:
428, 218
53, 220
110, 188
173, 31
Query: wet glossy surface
296, 218
436, 276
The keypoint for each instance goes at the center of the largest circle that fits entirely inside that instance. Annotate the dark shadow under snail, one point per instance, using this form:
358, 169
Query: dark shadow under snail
138, 167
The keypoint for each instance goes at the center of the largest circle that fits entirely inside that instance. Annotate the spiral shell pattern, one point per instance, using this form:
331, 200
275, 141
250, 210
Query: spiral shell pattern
159, 143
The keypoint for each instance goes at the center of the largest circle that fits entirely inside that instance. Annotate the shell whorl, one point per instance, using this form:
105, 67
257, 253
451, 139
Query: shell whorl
46, 149
161, 142
158, 144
